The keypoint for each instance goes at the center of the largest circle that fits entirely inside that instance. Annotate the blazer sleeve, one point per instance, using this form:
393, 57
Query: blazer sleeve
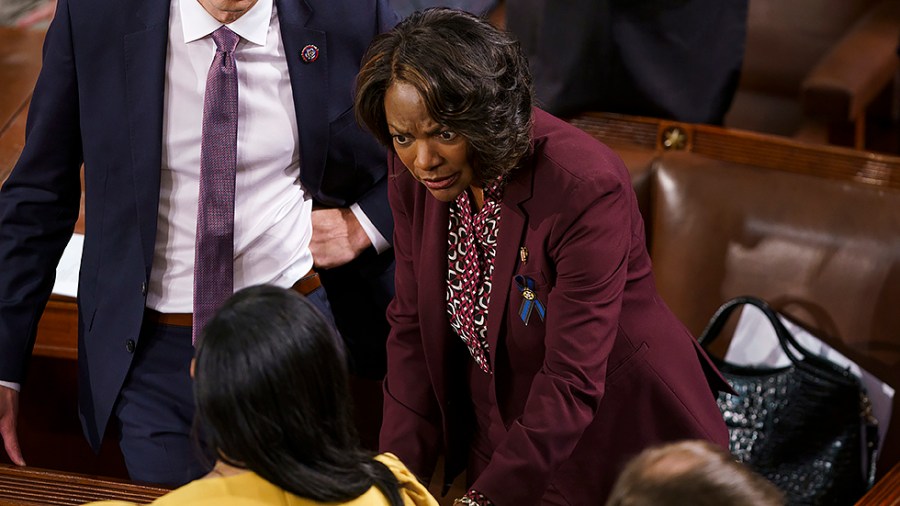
39, 202
590, 245
411, 428
374, 202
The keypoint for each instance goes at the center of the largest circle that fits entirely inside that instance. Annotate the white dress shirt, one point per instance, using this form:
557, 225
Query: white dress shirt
272, 226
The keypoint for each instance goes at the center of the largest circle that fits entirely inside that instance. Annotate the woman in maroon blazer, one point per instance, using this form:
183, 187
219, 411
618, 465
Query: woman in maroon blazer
528, 342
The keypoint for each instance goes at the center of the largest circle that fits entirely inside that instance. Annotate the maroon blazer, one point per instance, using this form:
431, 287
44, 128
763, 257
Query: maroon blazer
608, 372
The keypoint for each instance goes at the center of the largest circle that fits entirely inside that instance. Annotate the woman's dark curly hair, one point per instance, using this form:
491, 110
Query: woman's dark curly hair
473, 78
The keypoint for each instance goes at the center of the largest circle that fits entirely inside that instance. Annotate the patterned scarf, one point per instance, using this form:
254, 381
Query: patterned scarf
472, 246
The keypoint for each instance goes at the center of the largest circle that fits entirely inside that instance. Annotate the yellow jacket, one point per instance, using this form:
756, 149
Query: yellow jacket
249, 489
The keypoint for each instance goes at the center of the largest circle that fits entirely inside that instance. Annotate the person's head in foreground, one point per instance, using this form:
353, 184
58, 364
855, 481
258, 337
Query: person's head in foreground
272, 396
451, 95
691, 472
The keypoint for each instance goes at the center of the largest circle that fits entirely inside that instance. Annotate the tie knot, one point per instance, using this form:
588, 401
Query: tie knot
225, 39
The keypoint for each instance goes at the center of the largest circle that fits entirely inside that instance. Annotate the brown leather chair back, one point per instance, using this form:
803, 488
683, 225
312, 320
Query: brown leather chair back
826, 252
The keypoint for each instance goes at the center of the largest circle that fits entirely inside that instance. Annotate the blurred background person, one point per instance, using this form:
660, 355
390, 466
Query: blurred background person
272, 396
691, 472
528, 343
669, 59
26, 13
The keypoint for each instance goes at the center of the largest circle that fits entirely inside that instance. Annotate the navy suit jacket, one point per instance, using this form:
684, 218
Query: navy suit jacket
608, 372
99, 100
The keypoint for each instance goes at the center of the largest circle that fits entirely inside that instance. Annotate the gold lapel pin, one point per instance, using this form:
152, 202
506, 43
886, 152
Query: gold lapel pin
523, 254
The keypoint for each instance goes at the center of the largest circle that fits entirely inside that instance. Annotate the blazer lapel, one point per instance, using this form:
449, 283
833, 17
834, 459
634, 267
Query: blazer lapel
436, 334
513, 219
145, 44
309, 84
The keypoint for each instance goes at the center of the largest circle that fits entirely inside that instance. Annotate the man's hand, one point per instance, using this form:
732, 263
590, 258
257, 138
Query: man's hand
337, 237
9, 415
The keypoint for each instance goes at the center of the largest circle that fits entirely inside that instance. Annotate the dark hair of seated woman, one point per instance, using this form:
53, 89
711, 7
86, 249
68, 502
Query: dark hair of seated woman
272, 395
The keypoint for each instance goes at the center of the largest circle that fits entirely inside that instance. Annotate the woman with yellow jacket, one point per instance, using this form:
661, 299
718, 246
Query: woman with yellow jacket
272, 395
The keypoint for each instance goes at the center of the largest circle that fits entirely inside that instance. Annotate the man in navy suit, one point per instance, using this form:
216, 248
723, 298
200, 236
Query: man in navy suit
121, 91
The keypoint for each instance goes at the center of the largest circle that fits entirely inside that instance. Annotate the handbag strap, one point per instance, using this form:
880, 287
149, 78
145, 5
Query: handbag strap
804, 359
797, 354
870, 436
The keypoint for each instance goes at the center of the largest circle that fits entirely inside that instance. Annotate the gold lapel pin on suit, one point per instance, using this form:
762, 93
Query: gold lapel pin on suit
523, 254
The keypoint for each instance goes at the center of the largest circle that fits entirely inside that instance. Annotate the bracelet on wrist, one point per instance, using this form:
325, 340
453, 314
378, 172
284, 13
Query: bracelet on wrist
473, 498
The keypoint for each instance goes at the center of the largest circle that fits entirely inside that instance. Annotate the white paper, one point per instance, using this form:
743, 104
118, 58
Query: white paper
754, 343
67, 270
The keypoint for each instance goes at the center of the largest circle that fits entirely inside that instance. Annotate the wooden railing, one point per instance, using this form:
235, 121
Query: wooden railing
742, 147
886, 492
32, 486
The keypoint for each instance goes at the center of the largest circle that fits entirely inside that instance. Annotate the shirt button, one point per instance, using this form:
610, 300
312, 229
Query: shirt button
144, 288
129, 346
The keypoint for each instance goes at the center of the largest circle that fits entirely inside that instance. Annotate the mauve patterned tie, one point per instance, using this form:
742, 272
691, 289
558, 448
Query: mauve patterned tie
214, 251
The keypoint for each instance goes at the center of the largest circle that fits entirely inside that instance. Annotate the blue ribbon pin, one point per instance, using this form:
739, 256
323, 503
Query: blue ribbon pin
530, 301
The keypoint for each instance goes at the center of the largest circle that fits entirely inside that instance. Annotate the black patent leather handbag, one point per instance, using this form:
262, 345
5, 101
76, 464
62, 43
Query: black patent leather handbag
807, 427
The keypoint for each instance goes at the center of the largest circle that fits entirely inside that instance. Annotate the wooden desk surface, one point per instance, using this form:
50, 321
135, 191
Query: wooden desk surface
33, 486
58, 329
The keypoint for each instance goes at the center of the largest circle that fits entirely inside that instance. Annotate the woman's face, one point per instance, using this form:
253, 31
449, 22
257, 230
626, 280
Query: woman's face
437, 157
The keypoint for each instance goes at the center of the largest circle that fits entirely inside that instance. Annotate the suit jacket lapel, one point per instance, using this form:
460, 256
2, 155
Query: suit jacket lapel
309, 83
145, 43
513, 219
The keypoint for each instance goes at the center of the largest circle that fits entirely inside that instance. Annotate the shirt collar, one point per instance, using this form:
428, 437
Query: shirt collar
253, 26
